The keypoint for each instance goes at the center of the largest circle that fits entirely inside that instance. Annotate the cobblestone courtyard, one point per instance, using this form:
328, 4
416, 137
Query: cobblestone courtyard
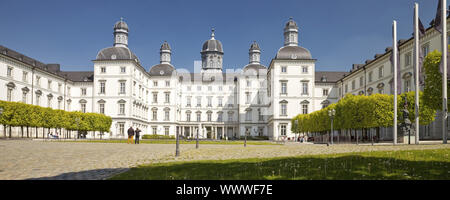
25, 159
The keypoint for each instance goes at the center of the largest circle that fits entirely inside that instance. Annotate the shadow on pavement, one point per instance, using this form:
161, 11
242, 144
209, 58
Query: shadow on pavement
96, 174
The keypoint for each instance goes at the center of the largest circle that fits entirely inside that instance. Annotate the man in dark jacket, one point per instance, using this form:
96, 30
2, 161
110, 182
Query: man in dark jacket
138, 133
130, 135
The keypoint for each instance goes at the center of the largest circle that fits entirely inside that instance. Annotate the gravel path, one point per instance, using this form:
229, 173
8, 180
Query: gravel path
25, 159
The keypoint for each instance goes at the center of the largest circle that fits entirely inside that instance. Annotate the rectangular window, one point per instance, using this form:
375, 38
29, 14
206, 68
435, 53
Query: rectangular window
305, 69
25, 77
102, 108
188, 117
83, 91
83, 108
408, 59
38, 81
361, 81
346, 88
380, 72
209, 115
353, 84
199, 101
209, 88
304, 88
325, 92
123, 70
230, 117
102, 88
155, 83
155, 97
305, 109
220, 88
220, 103
155, 115
249, 83
122, 109
199, 88
209, 101
9, 94
121, 128
247, 99
24, 97
248, 115
166, 130
49, 85
59, 87
9, 71
103, 70
188, 101
166, 115
283, 109
188, 88
283, 88
59, 105
260, 116
154, 130
199, 117
426, 49
283, 69
370, 76
283, 129
219, 117
167, 97
122, 87
167, 83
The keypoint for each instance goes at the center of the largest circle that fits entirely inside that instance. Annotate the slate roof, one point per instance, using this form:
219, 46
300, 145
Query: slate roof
116, 53
330, 76
293, 53
50, 68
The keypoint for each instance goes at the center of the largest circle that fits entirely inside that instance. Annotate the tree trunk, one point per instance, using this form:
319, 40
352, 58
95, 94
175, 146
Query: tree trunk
356, 133
36, 132
22, 130
28, 135
4, 131
9, 131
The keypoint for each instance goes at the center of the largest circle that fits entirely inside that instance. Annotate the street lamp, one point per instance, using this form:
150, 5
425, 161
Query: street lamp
331, 113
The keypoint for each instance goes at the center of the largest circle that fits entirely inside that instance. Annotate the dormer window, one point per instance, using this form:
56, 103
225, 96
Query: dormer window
323, 79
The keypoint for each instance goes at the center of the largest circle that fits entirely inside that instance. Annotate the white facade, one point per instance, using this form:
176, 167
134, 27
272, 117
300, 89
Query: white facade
257, 101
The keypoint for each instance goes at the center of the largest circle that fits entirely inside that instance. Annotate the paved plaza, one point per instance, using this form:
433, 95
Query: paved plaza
26, 159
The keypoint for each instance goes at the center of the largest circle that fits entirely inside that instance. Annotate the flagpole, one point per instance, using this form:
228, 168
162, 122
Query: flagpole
444, 74
394, 51
416, 65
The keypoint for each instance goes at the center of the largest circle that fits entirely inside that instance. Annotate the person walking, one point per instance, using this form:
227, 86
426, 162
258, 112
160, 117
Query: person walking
137, 133
130, 135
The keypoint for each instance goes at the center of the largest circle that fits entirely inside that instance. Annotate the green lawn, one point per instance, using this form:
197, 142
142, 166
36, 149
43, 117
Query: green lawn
161, 141
377, 165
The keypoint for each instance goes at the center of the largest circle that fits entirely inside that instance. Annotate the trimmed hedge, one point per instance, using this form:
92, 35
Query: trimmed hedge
359, 112
158, 137
20, 114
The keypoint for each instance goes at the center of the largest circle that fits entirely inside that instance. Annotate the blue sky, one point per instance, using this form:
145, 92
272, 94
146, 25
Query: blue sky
337, 33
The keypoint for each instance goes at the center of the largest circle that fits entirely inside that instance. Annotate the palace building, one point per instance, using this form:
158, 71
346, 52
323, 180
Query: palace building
257, 100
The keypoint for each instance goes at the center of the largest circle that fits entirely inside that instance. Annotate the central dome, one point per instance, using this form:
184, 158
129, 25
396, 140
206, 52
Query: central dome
212, 45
